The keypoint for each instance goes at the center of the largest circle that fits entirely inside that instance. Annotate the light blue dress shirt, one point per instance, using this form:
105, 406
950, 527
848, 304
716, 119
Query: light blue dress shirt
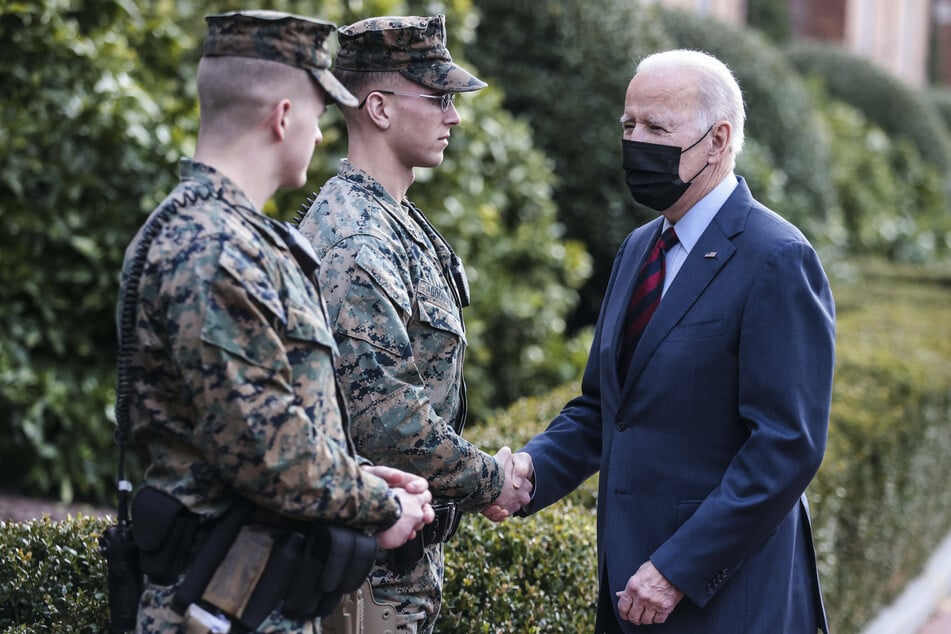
693, 224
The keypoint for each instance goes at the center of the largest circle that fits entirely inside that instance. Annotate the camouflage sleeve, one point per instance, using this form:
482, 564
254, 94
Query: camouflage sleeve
262, 386
394, 419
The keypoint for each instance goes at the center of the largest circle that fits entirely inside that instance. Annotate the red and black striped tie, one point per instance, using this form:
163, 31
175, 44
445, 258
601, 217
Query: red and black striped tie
646, 297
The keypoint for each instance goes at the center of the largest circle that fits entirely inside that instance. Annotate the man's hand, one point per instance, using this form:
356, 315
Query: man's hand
517, 487
417, 511
399, 479
648, 597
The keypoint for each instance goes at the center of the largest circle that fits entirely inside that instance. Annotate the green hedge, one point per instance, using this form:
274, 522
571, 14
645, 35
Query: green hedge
52, 578
88, 145
880, 503
569, 86
893, 201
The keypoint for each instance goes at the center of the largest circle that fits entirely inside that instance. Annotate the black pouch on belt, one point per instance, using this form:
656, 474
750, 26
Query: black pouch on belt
405, 557
335, 561
165, 532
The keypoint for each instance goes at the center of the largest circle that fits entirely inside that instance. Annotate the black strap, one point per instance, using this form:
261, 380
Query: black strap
212, 554
452, 269
128, 301
454, 273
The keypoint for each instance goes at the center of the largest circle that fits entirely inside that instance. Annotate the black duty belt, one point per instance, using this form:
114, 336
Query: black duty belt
442, 528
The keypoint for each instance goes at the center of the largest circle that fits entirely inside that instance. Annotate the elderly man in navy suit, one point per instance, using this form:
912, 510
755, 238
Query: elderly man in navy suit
705, 401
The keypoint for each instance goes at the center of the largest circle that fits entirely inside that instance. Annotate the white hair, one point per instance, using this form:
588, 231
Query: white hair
719, 95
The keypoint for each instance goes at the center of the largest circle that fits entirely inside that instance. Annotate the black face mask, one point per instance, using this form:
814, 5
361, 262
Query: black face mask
652, 172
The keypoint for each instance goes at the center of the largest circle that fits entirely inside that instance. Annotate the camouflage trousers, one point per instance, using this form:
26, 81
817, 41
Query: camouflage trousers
415, 594
156, 616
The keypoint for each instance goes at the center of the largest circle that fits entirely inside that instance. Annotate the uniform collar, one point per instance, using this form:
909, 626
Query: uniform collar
202, 175
398, 210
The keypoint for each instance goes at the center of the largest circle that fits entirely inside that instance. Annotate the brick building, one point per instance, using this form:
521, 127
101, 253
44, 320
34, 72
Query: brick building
909, 38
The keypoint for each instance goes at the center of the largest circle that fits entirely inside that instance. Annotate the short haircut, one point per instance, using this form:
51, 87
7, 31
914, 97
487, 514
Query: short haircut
719, 94
361, 83
235, 92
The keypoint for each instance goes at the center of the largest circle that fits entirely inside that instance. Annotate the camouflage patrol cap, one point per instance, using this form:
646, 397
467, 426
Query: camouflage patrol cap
277, 37
413, 46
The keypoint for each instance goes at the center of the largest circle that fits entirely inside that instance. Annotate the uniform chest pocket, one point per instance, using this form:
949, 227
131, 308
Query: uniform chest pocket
439, 316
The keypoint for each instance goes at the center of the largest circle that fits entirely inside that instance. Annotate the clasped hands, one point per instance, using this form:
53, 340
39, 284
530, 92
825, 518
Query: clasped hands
518, 473
416, 500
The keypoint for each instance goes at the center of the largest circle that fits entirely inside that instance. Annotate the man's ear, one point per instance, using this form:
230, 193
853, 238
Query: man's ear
278, 118
722, 136
378, 110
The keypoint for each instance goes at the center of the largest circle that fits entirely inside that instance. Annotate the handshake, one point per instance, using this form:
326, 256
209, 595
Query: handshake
519, 477
415, 498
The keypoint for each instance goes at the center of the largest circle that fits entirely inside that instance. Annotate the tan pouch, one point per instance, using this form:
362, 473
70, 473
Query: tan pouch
236, 578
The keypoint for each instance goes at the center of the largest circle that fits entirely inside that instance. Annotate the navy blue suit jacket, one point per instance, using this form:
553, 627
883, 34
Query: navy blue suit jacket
706, 449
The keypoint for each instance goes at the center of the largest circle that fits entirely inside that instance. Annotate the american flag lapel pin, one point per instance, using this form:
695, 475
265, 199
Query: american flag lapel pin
710, 255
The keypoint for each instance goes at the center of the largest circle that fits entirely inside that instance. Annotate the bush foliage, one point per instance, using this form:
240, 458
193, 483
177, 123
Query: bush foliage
771, 17
892, 200
782, 120
569, 85
89, 139
52, 578
881, 500
895, 107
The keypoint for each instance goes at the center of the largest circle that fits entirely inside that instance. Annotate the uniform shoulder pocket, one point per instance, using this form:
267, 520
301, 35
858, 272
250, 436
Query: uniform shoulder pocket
249, 275
248, 316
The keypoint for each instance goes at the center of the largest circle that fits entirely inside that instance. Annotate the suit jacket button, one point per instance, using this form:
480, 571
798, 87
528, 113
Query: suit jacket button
620, 425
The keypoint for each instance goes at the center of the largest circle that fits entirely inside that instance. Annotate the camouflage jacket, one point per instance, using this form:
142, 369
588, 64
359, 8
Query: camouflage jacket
399, 328
233, 372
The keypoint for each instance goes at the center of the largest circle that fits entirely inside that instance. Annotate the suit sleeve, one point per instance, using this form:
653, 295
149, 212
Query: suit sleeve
569, 451
786, 358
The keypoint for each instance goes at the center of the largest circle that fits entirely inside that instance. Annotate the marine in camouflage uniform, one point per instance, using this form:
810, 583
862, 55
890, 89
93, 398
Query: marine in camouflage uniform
234, 388
396, 313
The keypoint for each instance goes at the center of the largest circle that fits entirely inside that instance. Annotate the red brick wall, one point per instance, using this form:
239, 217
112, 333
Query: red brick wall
818, 19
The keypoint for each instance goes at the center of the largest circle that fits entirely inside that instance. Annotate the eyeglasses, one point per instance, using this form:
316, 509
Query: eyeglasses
445, 99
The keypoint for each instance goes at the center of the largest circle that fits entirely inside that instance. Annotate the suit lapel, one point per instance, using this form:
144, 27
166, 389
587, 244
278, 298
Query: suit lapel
698, 270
